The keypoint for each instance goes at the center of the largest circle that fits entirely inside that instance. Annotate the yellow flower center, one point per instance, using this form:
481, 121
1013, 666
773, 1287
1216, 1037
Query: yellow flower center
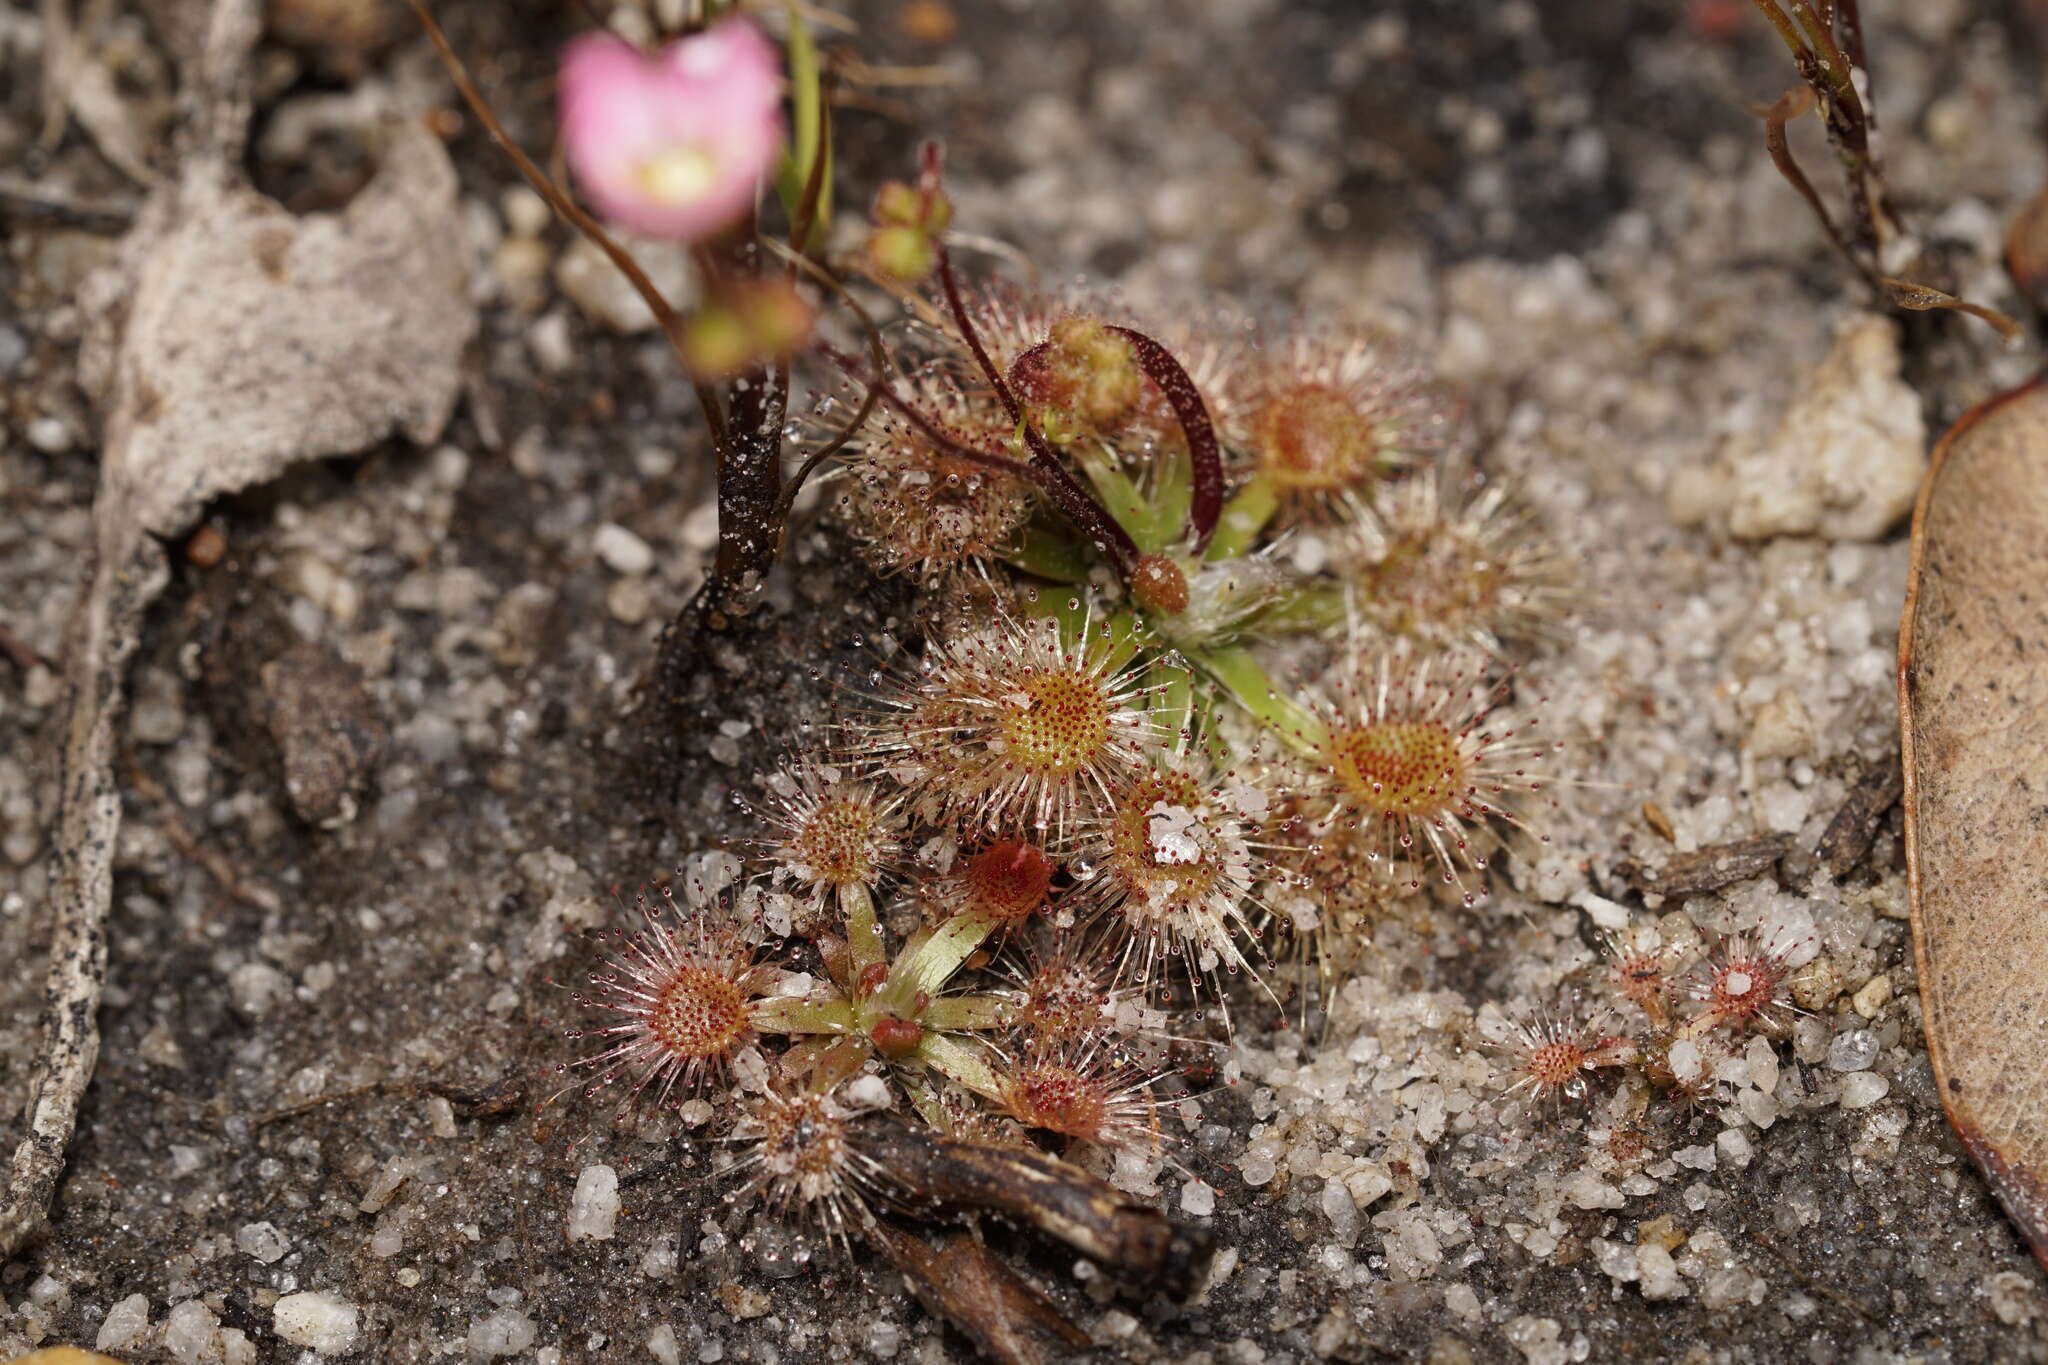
678, 175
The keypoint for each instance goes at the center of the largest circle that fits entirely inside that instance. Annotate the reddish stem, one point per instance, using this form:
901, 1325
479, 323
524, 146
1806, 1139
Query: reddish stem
1047, 472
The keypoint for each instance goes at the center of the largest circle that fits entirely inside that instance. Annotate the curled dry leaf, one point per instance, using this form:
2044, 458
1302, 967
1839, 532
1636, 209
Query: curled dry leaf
236, 341
1973, 706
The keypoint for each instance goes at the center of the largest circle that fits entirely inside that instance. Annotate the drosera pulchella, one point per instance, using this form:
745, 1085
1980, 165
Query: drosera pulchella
1025, 725
682, 990
1416, 755
1048, 844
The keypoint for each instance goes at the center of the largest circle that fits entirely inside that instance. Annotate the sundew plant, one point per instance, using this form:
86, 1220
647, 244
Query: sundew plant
1216, 663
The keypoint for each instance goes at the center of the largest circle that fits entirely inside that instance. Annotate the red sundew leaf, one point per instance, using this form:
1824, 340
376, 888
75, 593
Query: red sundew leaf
1193, 415
1973, 721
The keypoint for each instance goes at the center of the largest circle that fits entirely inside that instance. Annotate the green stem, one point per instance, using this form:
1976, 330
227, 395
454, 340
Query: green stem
1244, 516
806, 107
1241, 675
1119, 495
1173, 493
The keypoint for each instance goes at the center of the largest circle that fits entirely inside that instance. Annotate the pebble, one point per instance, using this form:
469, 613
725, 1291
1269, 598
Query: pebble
49, 435
621, 550
517, 624
263, 1241
13, 350
521, 266
254, 987
1617, 1260
551, 344
630, 601
607, 298
1872, 997
1846, 459
124, 1324
526, 213
314, 1318
192, 1333
1338, 1207
594, 1208
1853, 1051
441, 1117
1198, 1200
1861, 1089
2012, 1296
1658, 1273
505, 1332
661, 1344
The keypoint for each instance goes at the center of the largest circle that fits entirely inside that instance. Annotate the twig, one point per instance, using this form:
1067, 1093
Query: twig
1792, 104
962, 1282
172, 822
19, 200
926, 427
1132, 1241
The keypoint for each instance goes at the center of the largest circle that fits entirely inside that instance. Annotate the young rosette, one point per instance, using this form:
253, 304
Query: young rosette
674, 145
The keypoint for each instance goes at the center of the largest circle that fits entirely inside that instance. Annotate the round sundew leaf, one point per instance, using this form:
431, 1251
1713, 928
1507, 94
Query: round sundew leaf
1973, 703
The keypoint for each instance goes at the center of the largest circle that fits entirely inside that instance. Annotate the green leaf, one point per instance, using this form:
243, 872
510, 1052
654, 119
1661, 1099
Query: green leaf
1119, 495
927, 966
967, 1013
863, 935
1050, 553
964, 1062
801, 1014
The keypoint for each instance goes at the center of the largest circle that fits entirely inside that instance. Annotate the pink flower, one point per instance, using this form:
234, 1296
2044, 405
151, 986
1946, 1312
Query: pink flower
675, 145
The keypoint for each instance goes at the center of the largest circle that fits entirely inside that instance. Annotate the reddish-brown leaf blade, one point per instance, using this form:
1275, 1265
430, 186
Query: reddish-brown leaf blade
1193, 415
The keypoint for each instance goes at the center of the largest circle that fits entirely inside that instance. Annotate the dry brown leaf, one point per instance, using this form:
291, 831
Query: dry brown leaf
1973, 705
236, 341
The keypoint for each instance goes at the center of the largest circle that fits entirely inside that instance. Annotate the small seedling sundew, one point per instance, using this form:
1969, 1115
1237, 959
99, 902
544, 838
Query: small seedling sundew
1747, 983
682, 990
1414, 756
1325, 417
1017, 728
